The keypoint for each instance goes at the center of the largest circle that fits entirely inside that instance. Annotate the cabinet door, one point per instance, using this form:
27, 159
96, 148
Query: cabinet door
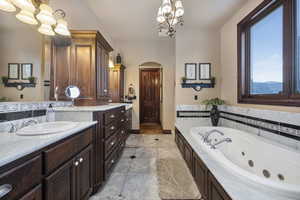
200, 176
84, 174
60, 71
61, 184
83, 67
102, 73
34, 194
188, 156
215, 190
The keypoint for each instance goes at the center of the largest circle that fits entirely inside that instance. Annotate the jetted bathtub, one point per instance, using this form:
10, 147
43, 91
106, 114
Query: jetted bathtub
254, 160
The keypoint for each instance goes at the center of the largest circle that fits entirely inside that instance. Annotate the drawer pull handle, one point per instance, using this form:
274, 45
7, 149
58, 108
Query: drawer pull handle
112, 143
122, 111
76, 163
127, 119
122, 132
5, 189
80, 160
112, 161
112, 128
122, 120
112, 116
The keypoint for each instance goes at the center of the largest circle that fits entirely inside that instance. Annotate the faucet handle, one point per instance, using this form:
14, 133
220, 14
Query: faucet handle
13, 128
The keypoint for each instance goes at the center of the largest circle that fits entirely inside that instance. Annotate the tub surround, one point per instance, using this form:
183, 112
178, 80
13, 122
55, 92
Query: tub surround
235, 189
13, 147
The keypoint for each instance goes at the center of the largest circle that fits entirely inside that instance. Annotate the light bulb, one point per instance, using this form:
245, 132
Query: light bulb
26, 17
45, 15
173, 21
7, 6
166, 6
46, 29
160, 18
24, 5
179, 9
62, 28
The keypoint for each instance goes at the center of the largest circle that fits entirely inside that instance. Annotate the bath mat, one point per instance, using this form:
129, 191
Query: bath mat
175, 180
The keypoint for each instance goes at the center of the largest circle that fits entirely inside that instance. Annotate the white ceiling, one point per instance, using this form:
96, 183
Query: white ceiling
136, 19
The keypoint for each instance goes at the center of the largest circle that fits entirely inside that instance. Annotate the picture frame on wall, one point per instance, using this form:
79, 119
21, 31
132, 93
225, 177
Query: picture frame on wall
13, 71
26, 70
191, 71
204, 71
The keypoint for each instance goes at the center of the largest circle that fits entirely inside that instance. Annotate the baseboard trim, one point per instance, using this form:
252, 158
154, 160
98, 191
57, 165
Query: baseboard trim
167, 131
135, 131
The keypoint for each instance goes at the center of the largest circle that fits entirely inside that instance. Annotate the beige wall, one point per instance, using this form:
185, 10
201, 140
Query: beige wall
195, 46
229, 60
20, 43
135, 53
80, 17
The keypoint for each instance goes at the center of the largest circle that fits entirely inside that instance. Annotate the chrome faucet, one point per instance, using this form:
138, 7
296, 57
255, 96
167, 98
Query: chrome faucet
29, 122
206, 135
228, 140
13, 128
56, 93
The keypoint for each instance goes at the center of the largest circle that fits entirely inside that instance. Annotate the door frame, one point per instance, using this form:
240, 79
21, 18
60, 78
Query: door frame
160, 90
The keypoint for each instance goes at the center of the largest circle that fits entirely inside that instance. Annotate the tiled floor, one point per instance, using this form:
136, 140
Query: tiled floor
136, 179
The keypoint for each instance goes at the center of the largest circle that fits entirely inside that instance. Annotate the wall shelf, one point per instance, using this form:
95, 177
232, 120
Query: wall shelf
197, 86
20, 85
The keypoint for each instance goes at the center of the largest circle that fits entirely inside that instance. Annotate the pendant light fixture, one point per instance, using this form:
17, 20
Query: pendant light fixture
62, 28
45, 16
27, 17
7, 6
24, 5
46, 29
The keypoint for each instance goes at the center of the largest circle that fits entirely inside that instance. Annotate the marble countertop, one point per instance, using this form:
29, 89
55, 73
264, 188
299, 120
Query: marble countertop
92, 108
13, 147
236, 189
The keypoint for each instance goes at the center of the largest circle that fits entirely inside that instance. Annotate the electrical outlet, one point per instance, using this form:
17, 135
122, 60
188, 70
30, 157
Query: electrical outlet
196, 97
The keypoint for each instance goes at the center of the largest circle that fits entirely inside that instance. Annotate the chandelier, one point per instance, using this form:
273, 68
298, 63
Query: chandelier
50, 22
170, 14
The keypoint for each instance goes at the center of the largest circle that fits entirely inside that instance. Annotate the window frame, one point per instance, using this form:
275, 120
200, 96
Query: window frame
288, 97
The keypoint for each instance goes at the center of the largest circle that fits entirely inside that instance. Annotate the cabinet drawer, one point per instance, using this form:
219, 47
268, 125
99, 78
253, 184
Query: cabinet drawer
110, 163
64, 151
34, 194
17, 181
113, 114
110, 129
110, 144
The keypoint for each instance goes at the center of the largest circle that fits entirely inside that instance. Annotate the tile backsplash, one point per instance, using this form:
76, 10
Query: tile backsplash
18, 112
282, 127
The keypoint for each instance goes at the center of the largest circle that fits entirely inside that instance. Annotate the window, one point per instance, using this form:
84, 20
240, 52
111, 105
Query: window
269, 54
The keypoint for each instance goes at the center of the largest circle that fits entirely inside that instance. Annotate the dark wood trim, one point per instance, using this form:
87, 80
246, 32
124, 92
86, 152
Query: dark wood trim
288, 97
167, 132
135, 131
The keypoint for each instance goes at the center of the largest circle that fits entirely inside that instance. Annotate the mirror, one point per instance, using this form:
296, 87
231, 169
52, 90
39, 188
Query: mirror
72, 92
23, 75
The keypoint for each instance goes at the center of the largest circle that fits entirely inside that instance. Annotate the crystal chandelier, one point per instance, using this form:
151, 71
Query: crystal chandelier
170, 14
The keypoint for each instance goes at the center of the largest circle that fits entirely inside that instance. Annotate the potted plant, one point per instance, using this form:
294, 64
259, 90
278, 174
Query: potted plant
184, 79
4, 79
31, 79
214, 112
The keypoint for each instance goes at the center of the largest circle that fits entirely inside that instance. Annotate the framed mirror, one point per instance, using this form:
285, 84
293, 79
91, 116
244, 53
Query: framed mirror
204, 71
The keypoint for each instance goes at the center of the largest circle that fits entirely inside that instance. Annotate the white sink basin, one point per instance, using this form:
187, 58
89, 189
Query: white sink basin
47, 128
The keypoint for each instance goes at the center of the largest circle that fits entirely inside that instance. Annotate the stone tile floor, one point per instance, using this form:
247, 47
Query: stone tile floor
136, 179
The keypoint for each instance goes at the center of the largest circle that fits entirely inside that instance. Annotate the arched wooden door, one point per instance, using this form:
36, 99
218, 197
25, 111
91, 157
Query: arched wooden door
150, 95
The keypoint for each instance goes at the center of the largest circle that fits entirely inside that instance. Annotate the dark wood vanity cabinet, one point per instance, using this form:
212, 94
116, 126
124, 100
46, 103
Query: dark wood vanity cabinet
208, 186
113, 129
34, 194
83, 63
